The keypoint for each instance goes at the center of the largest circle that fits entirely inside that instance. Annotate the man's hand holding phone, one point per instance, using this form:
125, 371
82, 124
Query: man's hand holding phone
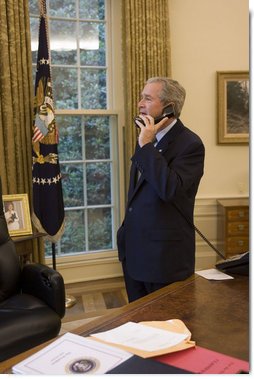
148, 129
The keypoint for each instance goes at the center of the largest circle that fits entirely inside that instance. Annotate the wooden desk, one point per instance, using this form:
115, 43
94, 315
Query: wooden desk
216, 313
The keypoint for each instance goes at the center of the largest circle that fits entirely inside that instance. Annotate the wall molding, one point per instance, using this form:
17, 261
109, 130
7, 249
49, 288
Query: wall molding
205, 218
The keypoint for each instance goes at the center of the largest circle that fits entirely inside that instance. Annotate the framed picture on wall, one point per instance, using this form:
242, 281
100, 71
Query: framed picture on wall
17, 214
233, 107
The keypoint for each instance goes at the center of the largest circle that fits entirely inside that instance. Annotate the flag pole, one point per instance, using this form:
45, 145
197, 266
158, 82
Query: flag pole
69, 299
53, 255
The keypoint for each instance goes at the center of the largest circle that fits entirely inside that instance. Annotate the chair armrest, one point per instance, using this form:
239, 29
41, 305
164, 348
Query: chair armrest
45, 283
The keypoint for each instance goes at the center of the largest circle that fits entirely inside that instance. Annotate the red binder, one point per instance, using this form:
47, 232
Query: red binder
204, 361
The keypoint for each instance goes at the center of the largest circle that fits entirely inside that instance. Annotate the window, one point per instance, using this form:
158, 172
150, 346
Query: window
80, 38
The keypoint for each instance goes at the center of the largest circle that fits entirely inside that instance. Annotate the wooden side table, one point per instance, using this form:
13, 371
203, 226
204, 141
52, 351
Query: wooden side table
233, 226
24, 246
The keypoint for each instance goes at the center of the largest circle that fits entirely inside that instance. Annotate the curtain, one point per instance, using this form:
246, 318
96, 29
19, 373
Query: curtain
16, 103
146, 53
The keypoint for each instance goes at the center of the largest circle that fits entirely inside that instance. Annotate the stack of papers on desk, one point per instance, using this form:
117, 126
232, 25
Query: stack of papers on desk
148, 338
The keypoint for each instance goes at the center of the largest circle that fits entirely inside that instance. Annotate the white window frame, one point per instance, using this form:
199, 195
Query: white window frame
97, 265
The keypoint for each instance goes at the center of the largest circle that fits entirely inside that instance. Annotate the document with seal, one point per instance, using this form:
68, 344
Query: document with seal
72, 354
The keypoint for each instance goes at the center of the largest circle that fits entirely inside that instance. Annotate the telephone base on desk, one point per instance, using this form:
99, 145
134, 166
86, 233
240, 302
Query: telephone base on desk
237, 264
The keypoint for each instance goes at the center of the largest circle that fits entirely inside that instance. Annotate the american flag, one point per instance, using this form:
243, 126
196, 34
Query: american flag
37, 136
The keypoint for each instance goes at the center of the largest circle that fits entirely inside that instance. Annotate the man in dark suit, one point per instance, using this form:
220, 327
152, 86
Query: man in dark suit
156, 241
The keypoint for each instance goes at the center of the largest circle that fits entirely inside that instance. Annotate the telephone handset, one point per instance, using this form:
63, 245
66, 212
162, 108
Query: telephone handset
168, 111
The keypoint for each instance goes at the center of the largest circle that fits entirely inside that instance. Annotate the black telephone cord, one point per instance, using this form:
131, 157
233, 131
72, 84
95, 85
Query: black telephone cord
199, 232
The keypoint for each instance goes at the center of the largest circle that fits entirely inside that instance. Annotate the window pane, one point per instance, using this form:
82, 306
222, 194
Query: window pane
97, 137
98, 183
70, 140
34, 26
74, 231
93, 89
62, 8
63, 42
73, 191
92, 44
48, 248
33, 7
73, 239
99, 229
92, 9
65, 87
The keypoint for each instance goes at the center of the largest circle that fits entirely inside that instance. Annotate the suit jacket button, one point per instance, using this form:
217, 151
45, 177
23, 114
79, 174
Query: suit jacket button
130, 209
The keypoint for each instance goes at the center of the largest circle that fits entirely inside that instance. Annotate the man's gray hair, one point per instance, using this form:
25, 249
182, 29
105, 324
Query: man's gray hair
172, 92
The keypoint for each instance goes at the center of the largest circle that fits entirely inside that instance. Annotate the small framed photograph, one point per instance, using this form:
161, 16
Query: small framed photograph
233, 107
17, 214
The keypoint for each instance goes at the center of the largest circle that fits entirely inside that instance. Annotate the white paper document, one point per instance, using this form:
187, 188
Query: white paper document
213, 274
72, 354
140, 336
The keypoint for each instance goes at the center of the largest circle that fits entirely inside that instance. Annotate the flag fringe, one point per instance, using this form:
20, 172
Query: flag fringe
36, 222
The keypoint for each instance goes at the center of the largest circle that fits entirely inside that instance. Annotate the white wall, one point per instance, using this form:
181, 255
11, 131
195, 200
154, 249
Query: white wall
209, 36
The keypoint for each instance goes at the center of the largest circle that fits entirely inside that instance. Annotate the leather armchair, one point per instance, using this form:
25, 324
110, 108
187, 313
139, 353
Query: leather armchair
32, 299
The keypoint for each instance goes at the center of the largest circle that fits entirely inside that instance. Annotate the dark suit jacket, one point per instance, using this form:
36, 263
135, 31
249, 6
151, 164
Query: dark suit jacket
157, 242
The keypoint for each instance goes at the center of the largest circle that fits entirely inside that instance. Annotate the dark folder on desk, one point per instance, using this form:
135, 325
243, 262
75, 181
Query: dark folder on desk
138, 365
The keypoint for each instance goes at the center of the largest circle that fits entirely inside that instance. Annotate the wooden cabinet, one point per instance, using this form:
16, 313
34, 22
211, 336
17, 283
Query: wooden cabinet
233, 226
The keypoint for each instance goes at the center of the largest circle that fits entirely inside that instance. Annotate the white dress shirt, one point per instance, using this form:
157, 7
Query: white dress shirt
162, 133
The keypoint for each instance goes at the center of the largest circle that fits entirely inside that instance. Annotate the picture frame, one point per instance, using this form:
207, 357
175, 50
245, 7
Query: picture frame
233, 107
17, 214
